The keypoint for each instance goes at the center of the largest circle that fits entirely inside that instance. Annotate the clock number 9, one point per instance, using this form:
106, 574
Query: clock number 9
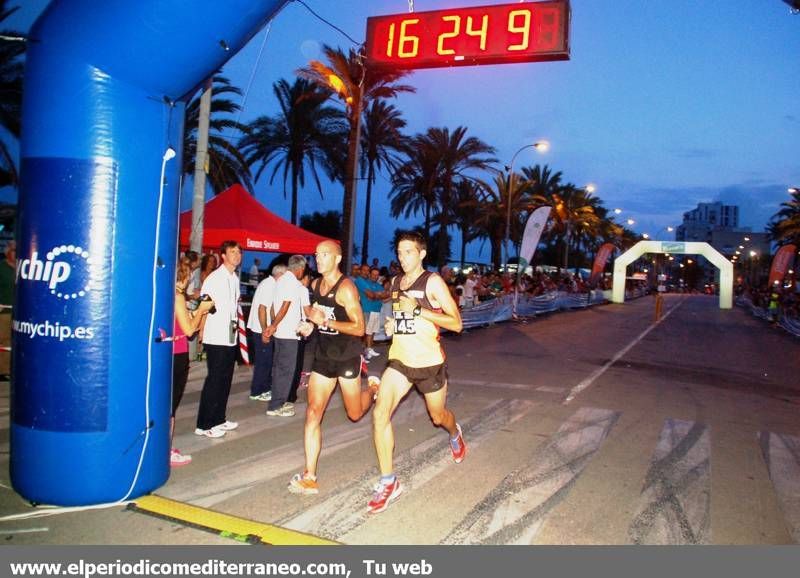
524, 29
407, 44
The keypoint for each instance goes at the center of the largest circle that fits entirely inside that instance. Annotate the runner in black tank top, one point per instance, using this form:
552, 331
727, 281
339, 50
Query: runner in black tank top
336, 311
332, 345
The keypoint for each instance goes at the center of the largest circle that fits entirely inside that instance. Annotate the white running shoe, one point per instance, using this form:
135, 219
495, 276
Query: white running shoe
227, 426
210, 433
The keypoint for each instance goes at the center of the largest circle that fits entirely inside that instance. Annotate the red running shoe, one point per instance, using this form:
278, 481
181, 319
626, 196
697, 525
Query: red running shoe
458, 447
384, 495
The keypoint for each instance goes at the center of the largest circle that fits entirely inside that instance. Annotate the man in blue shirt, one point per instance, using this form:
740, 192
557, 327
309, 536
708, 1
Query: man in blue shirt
371, 293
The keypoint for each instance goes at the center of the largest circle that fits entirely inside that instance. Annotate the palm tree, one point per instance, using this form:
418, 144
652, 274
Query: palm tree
784, 227
493, 211
11, 69
414, 184
305, 133
457, 154
381, 146
356, 86
542, 182
588, 227
327, 224
226, 163
466, 213
572, 211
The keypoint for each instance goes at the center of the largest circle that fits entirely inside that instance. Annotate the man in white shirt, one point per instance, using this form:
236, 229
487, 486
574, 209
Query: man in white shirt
259, 318
470, 298
219, 342
290, 298
254, 271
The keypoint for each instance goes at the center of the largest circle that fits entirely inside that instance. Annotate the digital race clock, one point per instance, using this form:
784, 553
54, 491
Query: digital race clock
497, 34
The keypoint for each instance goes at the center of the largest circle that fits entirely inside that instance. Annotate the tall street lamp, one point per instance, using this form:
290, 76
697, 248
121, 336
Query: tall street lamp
540, 146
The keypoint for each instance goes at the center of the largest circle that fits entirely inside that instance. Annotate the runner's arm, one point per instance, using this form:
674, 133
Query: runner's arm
347, 297
450, 317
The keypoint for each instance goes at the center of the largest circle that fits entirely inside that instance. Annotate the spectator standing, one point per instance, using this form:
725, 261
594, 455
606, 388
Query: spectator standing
220, 333
290, 299
254, 272
470, 297
208, 264
370, 292
260, 317
185, 325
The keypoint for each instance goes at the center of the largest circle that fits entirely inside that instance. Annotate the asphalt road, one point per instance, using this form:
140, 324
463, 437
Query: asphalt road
586, 427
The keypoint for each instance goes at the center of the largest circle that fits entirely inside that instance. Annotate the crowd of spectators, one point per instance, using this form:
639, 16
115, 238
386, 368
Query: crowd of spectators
776, 300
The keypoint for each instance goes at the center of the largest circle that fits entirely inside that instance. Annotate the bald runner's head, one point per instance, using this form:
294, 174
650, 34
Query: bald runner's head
329, 247
328, 257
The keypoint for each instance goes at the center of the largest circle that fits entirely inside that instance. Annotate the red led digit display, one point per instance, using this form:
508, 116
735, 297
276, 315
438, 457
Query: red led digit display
519, 32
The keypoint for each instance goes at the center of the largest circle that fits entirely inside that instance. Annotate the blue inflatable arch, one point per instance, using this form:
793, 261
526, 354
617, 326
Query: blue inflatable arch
97, 237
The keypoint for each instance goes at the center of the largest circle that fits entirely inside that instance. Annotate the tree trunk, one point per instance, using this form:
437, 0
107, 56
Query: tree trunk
349, 200
444, 223
199, 197
294, 218
497, 250
367, 209
463, 247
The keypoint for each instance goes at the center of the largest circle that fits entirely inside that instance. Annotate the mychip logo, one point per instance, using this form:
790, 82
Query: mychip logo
65, 269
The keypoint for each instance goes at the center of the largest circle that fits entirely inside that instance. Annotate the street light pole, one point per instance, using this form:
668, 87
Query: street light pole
539, 145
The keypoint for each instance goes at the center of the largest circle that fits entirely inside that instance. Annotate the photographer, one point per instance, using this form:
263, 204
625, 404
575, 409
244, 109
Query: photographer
219, 338
186, 324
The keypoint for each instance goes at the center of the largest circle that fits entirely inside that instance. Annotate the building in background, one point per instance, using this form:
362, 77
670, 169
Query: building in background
718, 225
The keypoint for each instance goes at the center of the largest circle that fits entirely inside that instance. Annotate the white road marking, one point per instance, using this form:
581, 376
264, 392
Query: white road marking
514, 511
675, 505
598, 372
342, 511
782, 455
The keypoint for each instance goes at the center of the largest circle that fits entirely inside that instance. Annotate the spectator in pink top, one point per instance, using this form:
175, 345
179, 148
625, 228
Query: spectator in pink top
186, 324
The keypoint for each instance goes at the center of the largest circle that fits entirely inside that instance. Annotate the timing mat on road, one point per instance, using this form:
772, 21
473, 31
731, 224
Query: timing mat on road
224, 525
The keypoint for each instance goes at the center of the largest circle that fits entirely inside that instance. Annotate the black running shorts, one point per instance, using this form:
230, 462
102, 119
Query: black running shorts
335, 368
427, 379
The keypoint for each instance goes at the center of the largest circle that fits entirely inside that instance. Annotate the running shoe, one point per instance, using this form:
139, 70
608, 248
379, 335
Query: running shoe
364, 365
384, 495
458, 447
210, 433
177, 459
372, 353
304, 484
284, 411
227, 426
266, 396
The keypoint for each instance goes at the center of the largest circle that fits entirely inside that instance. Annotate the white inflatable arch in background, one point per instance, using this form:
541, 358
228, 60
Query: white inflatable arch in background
676, 248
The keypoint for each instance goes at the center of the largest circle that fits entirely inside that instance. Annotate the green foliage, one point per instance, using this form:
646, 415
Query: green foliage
226, 164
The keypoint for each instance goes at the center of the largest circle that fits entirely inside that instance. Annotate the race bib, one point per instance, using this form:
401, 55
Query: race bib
404, 323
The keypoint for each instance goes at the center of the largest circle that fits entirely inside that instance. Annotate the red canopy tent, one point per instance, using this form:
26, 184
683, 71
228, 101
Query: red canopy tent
235, 214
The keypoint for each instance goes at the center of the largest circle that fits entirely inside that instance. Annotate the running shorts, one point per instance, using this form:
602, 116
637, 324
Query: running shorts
335, 368
427, 379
